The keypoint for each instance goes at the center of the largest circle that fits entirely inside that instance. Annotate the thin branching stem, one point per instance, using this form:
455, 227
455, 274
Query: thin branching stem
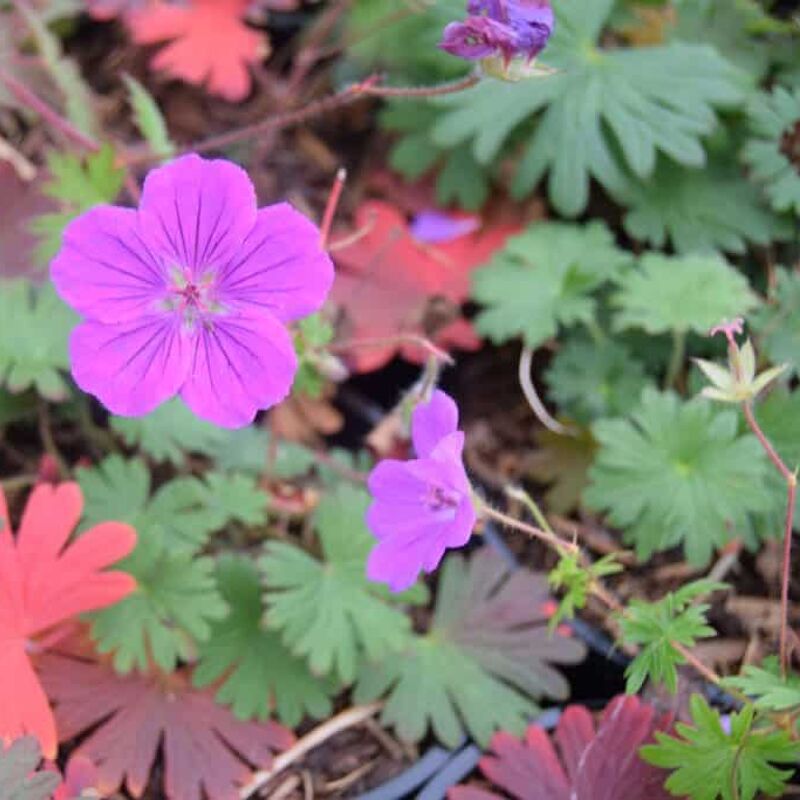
791, 492
532, 396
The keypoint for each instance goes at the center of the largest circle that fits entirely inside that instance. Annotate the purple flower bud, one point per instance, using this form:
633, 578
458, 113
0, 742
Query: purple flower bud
477, 38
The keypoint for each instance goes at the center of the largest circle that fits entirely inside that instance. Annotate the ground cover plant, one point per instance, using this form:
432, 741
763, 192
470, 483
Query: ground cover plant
399, 393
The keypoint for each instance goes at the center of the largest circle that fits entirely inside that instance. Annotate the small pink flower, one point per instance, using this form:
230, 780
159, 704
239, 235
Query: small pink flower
424, 506
729, 328
190, 294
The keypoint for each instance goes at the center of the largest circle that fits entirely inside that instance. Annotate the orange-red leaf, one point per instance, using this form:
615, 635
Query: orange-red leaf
45, 581
208, 43
389, 283
206, 749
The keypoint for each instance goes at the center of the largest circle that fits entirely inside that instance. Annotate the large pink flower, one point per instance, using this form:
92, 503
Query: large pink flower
190, 294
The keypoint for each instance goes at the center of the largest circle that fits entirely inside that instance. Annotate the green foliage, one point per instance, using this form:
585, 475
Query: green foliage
313, 334
677, 472
699, 210
327, 611
481, 664
259, 675
172, 609
710, 763
681, 294
777, 322
590, 380
149, 119
657, 627
182, 513
34, 329
78, 185
461, 180
769, 690
773, 154
575, 582
170, 433
20, 776
544, 278
402, 38
605, 114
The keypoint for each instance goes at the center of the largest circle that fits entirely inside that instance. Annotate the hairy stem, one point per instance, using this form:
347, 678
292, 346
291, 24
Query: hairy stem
548, 538
676, 359
791, 492
532, 396
402, 338
424, 91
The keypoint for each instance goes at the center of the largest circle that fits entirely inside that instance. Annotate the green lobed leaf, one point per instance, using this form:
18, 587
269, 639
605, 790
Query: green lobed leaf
774, 120
605, 114
20, 776
777, 322
79, 185
258, 674
34, 330
183, 512
700, 210
669, 294
654, 627
710, 763
327, 610
769, 690
590, 380
172, 609
485, 660
149, 119
677, 473
545, 278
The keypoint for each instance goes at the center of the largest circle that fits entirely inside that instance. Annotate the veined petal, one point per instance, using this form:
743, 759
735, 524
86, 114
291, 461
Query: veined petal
131, 367
397, 561
432, 421
107, 269
239, 365
198, 212
280, 267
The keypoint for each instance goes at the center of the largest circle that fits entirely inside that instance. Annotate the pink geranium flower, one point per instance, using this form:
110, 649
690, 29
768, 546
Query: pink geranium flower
190, 294
424, 506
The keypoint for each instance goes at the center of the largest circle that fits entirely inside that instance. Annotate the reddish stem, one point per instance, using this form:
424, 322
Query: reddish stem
331, 206
401, 338
423, 91
791, 484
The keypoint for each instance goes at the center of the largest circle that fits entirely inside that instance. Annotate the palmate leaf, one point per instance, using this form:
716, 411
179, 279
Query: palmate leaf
681, 294
172, 609
699, 210
777, 322
207, 753
606, 112
19, 777
170, 433
596, 763
327, 611
487, 657
259, 674
773, 154
183, 512
34, 330
769, 690
710, 763
590, 380
677, 472
78, 185
545, 278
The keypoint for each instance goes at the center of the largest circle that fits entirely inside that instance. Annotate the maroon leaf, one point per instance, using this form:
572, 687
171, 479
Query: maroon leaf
207, 751
589, 765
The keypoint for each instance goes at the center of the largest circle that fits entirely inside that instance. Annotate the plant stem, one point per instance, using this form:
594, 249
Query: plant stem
331, 206
532, 396
424, 91
549, 539
676, 359
48, 440
791, 492
402, 338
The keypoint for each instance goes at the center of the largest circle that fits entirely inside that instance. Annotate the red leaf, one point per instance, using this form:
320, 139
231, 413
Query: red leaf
43, 583
602, 765
209, 43
206, 749
387, 280
80, 777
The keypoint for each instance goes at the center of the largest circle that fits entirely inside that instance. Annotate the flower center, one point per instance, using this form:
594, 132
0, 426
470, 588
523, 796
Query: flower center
439, 498
192, 298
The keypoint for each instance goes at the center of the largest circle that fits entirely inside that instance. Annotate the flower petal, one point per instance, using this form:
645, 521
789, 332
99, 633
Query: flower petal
240, 365
432, 421
131, 367
106, 268
398, 561
281, 267
199, 212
